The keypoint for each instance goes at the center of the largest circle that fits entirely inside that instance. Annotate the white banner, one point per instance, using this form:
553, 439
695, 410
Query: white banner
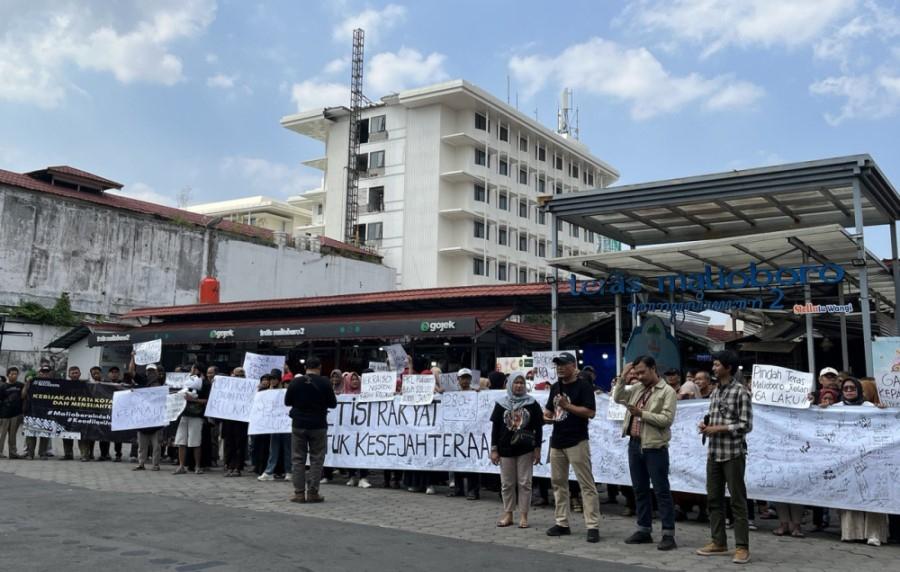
182, 380
417, 390
543, 368
378, 386
147, 352
257, 365
396, 357
231, 398
139, 408
175, 404
843, 457
269, 414
782, 387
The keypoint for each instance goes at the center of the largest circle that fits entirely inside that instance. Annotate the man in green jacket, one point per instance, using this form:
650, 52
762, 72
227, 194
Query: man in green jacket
651, 411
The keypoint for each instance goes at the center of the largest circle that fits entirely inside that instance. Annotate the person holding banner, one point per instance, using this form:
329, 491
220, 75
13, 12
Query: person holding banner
149, 441
279, 444
42, 443
570, 407
651, 412
234, 438
516, 436
310, 397
189, 434
69, 444
463, 480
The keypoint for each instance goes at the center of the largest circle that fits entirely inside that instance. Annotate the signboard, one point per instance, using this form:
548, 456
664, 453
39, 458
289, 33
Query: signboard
652, 338
148, 352
781, 387
886, 354
543, 368
417, 390
396, 357
183, 380
269, 414
58, 407
139, 408
175, 404
508, 365
378, 366
231, 398
258, 365
377, 386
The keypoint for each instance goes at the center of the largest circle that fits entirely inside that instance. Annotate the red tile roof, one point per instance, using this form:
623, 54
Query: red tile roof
23, 181
535, 333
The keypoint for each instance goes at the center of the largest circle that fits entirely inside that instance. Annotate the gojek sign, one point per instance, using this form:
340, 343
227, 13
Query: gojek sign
448, 325
720, 279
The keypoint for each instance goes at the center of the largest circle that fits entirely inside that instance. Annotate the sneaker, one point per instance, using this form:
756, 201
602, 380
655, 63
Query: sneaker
729, 524
352, 482
133, 459
430, 490
667, 543
314, 497
13, 456
593, 535
741, 556
277, 477
752, 525
473, 496
640, 537
180, 471
138, 468
199, 472
324, 481
298, 497
155, 468
557, 530
873, 542
364, 483
265, 477
713, 549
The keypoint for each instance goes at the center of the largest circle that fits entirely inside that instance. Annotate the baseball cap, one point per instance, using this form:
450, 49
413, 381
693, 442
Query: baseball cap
672, 371
828, 371
44, 367
564, 358
589, 368
151, 366
464, 371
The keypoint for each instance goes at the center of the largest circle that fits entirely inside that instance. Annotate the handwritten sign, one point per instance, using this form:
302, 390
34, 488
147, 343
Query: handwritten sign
396, 357
379, 366
450, 381
508, 365
781, 387
615, 411
175, 404
139, 409
257, 365
417, 390
460, 406
543, 367
147, 352
886, 357
183, 380
231, 398
269, 414
377, 386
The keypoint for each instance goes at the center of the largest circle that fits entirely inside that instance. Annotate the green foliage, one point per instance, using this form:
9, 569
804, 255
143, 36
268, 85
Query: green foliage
60, 314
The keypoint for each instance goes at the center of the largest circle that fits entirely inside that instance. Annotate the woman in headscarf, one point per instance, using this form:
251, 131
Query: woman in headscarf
516, 438
357, 477
856, 524
337, 381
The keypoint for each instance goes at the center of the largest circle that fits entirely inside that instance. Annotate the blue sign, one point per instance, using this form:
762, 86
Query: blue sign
652, 338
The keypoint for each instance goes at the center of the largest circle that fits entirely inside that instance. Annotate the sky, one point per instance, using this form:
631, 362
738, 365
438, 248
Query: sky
180, 100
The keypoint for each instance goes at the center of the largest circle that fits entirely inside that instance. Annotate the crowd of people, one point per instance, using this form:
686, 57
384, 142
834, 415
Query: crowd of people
196, 443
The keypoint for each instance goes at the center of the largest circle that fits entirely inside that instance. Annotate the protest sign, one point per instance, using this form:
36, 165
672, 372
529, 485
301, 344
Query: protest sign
183, 380
258, 365
147, 352
175, 404
781, 387
139, 408
543, 368
396, 357
59, 407
417, 390
378, 366
450, 381
378, 386
269, 414
460, 406
886, 354
615, 411
508, 365
231, 398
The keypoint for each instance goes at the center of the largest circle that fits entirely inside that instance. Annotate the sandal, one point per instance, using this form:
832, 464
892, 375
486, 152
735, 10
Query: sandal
780, 531
504, 522
797, 533
524, 524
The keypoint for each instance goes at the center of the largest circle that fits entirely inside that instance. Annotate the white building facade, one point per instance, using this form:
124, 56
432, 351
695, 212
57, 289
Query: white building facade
450, 180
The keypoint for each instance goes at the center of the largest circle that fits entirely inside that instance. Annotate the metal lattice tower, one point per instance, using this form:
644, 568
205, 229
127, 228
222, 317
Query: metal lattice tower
356, 100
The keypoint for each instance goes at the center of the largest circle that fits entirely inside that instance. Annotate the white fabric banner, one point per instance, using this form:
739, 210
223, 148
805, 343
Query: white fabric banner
231, 398
781, 387
269, 414
378, 386
843, 457
139, 408
257, 365
147, 352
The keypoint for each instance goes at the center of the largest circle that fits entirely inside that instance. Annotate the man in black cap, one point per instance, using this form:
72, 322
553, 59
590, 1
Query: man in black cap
570, 407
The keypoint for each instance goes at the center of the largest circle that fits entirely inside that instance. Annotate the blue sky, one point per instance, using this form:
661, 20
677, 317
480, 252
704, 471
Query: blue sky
164, 95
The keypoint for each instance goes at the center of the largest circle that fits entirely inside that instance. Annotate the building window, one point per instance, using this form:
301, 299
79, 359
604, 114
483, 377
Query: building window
320, 209
480, 157
591, 179
590, 236
480, 121
558, 189
480, 194
523, 242
523, 208
376, 160
541, 153
501, 271
369, 234
375, 203
573, 230
504, 167
573, 171
503, 202
376, 124
479, 229
541, 216
542, 249
478, 267
502, 236
523, 275
504, 133
559, 226
523, 144
559, 163
541, 186
523, 176
542, 277
559, 251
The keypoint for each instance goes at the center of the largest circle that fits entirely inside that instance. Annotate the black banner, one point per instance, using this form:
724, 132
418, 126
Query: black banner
59, 406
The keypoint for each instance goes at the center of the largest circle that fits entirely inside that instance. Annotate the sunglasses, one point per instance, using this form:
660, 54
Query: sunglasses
848, 388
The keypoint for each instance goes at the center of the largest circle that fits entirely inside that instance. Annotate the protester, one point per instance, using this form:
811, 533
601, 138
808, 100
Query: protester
309, 397
69, 444
726, 426
870, 390
209, 431
113, 376
234, 438
590, 374
673, 378
190, 427
569, 408
651, 412
704, 383
10, 410
496, 380
259, 444
465, 484
279, 445
42, 443
516, 436
337, 381
149, 440
689, 389
356, 477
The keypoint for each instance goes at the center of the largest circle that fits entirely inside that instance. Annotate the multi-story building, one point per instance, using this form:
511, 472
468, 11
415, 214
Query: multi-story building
450, 178
260, 211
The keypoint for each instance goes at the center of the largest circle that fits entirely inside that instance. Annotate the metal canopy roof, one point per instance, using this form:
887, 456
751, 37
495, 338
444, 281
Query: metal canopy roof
769, 251
735, 203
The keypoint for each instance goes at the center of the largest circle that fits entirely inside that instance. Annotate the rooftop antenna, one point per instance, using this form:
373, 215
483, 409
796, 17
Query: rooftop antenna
563, 120
351, 233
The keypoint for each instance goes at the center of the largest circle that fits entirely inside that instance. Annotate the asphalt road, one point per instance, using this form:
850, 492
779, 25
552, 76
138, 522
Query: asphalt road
47, 526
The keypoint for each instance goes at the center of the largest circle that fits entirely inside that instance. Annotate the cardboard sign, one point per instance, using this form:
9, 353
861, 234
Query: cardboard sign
781, 387
417, 390
147, 352
377, 386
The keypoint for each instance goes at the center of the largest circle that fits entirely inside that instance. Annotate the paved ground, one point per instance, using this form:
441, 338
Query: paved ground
440, 531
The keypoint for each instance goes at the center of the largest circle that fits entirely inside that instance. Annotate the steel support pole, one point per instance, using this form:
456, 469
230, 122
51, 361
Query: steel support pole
895, 267
619, 364
845, 352
863, 276
554, 289
672, 314
810, 341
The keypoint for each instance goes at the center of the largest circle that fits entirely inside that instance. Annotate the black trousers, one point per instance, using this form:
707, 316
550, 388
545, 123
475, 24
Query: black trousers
234, 434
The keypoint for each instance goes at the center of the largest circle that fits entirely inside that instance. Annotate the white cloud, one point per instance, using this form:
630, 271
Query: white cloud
266, 177
866, 96
631, 75
336, 66
144, 192
716, 24
221, 81
374, 22
395, 71
312, 94
875, 22
211, 58
41, 40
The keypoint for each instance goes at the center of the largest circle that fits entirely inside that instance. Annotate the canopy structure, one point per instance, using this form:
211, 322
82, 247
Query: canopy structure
781, 216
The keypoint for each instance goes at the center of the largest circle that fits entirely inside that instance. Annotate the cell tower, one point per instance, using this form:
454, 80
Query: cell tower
564, 115
351, 235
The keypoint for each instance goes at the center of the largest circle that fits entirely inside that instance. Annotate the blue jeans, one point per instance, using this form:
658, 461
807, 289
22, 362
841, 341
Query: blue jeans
280, 443
651, 465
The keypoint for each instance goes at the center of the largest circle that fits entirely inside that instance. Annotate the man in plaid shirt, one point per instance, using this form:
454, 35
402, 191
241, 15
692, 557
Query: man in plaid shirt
726, 426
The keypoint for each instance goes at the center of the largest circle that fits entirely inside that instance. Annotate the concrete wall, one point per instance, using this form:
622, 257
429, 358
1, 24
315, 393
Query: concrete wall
26, 352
